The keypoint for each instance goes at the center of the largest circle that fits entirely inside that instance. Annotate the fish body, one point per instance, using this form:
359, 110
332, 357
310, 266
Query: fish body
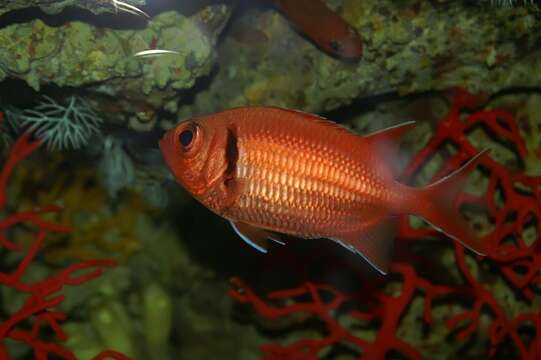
270, 171
330, 32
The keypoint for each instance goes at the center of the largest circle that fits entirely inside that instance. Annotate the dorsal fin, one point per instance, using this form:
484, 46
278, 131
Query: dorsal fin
319, 119
388, 136
391, 135
385, 143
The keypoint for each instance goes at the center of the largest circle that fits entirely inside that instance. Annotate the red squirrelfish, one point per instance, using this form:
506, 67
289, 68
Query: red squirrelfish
270, 171
324, 27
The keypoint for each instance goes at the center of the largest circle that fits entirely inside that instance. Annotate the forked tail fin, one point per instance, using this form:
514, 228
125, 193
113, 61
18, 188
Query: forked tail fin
436, 201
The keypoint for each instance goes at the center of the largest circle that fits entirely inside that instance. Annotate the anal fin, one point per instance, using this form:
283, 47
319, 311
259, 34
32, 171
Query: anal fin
254, 236
374, 242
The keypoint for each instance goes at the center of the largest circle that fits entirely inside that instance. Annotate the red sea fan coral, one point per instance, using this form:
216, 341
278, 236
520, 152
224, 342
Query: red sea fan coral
27, 323
509, 255
518, 262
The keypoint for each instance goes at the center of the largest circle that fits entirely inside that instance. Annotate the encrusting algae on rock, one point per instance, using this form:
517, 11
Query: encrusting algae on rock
99, 229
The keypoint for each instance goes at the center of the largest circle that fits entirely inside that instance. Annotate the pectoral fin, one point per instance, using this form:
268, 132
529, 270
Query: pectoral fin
374, 242
254, 236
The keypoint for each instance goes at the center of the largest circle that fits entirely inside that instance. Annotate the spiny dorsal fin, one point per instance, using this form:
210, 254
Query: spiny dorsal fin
317, 118
383, 143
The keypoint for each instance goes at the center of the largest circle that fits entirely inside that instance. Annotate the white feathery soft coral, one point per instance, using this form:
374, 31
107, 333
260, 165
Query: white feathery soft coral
62, 126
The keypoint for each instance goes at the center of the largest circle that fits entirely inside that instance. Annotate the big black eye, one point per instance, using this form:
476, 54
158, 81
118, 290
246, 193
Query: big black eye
186, 137
335, 46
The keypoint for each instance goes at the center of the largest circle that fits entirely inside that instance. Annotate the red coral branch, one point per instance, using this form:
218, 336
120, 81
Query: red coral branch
42, 296
110, 355
517, 262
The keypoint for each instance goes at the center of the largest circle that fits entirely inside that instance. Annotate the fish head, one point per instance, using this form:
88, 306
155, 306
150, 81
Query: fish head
195, 152
345, 44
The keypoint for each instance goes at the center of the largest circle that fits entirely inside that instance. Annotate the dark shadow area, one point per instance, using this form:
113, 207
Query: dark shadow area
368, 104
209, 239
120, 21
110, 20
18, 93
526, 90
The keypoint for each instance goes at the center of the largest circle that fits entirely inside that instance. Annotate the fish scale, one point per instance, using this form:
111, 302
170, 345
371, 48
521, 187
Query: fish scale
293, 186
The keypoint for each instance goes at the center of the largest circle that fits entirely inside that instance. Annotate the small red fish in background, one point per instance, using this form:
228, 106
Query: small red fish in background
324, 27
270, 171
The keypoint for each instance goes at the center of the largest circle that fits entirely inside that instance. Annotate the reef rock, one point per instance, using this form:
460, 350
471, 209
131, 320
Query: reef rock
101, 58
409, 47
